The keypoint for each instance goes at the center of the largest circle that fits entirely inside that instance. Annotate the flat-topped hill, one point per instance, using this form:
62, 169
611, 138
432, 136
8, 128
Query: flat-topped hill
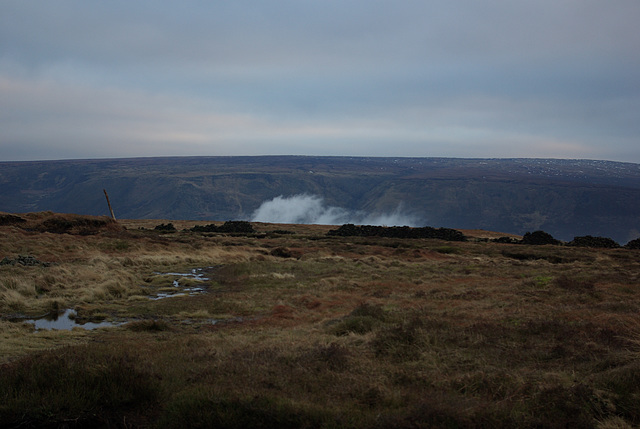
567, 198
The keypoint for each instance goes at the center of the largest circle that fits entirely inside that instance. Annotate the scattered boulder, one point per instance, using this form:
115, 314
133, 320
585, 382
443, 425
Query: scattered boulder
26, 261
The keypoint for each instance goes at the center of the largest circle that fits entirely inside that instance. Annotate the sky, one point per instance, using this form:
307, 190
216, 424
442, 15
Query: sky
440, 78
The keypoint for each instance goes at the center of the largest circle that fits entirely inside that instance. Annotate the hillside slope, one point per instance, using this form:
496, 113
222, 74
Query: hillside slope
566, 198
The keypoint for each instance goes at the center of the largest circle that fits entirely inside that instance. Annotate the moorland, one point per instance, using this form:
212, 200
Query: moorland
289, 326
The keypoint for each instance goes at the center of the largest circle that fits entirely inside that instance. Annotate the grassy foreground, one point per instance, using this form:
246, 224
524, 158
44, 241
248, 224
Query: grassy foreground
300, 329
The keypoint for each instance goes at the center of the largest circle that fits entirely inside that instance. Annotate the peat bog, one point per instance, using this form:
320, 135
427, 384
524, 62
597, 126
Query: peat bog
295, 327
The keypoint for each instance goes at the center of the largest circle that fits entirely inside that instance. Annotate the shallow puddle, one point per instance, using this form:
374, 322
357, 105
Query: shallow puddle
198, 274
66, 321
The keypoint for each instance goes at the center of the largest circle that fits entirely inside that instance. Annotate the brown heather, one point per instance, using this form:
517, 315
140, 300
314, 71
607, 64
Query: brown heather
325, 332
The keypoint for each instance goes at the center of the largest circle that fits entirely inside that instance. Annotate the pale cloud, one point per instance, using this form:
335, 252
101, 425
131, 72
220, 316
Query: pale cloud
470, 78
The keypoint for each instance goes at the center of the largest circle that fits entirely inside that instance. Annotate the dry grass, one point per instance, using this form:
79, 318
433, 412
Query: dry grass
329, 332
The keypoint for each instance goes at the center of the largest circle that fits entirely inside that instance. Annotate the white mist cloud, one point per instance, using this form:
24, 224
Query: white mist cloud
311, 209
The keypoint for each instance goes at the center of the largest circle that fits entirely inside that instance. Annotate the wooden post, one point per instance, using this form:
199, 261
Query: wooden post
109, 203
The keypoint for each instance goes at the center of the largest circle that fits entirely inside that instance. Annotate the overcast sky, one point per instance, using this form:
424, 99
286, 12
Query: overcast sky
454, 78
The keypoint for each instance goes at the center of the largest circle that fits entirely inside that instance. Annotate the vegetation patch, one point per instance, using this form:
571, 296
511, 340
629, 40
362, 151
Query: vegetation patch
168, 227
9, 219
633, 244
81, 225
74, 386
61, 223
529, 256
589, 241
231, 226
574, 283
365, 318
350, 230
447, 250
538, 238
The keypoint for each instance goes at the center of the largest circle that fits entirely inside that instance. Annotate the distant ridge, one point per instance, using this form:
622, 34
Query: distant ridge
565, 198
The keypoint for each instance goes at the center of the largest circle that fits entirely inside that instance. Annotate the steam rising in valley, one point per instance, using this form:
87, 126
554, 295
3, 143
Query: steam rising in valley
311, 209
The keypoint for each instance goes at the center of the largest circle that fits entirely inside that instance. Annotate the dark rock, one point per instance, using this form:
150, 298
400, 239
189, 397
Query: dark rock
26, 261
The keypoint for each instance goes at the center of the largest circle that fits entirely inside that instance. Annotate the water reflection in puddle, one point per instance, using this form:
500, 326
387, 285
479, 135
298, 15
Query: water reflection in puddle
196, 274
66, 321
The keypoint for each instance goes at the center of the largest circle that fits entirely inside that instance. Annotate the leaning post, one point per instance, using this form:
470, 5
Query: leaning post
109, 203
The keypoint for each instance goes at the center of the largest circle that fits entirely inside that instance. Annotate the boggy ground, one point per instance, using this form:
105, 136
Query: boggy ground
299, 329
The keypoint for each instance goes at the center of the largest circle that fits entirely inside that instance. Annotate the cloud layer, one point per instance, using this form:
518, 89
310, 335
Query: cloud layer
312, 209
377, 78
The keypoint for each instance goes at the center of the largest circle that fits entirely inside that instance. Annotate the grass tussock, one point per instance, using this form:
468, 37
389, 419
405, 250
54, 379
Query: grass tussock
308, 330
148, 326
